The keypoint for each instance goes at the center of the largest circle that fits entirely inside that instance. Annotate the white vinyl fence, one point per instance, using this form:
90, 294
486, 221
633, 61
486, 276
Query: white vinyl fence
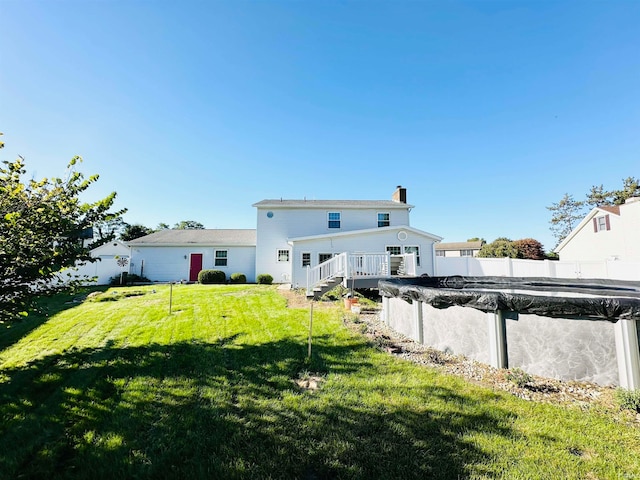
103, 270
510, 267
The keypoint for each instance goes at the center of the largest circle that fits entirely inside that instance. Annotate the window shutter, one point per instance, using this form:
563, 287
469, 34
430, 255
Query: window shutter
606, 219
595, 224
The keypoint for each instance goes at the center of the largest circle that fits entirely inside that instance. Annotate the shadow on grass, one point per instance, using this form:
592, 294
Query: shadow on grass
229, 410
44, 308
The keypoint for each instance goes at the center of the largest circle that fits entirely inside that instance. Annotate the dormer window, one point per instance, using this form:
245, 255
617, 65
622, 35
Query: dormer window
601, 223
384, 219
333, 219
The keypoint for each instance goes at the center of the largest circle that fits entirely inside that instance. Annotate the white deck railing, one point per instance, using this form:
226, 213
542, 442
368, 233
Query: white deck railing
332, 268
361, 265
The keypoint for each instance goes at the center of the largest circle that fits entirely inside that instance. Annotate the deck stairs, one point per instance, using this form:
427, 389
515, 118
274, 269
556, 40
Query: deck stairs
322, 288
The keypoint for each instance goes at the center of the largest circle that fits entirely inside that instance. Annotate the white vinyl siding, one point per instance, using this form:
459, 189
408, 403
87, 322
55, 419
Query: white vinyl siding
171, 264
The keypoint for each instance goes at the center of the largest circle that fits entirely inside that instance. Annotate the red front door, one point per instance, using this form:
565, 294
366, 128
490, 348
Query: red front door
195, 265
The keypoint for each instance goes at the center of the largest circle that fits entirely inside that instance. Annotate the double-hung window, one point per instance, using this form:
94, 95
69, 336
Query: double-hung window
384, 219
333, 219
283, 255
221, 258
601, 223
306, 259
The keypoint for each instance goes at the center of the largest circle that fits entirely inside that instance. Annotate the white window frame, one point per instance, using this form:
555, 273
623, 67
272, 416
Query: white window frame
441, 253
330, 256
329, 220
302, 259
388, 220
388, 247
466, 252
601, 222
283, 252
225, 258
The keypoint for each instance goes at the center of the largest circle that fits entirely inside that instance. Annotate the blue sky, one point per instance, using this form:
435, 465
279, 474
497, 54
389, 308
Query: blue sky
487, 112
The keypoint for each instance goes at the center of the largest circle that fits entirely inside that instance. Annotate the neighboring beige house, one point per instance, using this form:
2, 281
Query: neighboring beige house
606, 233
458, 249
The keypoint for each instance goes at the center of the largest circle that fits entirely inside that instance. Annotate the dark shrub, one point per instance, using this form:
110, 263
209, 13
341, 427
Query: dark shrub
238, 278
127, 279
208, 277
265, 279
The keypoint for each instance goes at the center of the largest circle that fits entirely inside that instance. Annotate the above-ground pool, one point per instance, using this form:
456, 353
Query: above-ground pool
562, 328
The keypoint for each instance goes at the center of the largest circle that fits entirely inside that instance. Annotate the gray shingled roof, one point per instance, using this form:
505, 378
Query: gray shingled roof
275, 203
226, 237
459, 246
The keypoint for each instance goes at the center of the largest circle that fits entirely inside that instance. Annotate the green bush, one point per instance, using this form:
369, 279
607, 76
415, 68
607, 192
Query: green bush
238, 278
265, 279
209, 277
628, 399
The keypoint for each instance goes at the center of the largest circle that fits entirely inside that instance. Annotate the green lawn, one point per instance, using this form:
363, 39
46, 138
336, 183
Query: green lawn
122, 389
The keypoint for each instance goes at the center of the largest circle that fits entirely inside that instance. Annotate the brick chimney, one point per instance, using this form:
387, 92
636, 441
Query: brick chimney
400, 195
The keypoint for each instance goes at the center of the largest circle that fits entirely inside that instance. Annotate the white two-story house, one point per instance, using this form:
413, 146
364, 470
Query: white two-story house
606, 233
372, 238
301, 242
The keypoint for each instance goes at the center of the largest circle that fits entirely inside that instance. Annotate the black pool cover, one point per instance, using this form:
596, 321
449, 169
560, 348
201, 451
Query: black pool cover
596, 299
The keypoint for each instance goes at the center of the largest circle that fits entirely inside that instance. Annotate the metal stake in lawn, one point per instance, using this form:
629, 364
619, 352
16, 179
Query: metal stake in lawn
310, 327
170, 296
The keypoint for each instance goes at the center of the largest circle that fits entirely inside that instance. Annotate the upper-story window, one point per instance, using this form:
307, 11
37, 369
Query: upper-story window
601, 223
466, 253
383, 219
333, 219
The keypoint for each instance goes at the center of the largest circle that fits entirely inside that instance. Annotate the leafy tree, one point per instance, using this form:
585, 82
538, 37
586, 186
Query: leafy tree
107, 230
598, 197
529, 248
567, 213
630, 188
188, 225
131, 232
41, 225
500, 247
163, 226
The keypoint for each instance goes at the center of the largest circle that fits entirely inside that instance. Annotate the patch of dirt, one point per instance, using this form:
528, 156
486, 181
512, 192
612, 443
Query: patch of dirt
583, 395
297, 299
